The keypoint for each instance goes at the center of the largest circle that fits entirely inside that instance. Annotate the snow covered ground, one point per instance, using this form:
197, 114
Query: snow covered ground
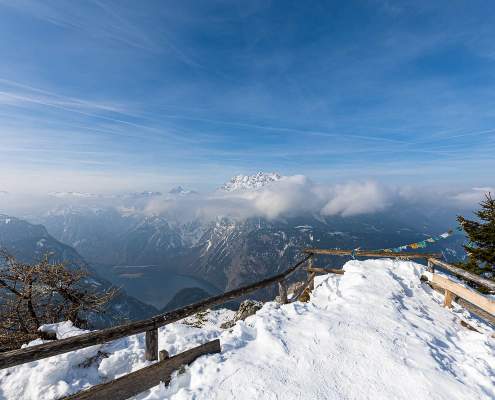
375, 332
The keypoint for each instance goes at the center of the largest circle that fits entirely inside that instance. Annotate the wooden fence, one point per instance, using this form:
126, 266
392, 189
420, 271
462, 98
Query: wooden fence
150, 326
432, 262
145, 378
128, 385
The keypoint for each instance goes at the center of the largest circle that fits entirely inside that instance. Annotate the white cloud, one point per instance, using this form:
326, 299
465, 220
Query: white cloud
357, 198
292, 195
470, 198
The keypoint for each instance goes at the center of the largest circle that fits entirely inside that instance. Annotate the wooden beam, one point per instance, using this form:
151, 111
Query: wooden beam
137, 382
311, 285
463, 303
465, 274
431, 267
370, 253
282, 292
33, 353
473, 297
326, 270
448, 297
151, 345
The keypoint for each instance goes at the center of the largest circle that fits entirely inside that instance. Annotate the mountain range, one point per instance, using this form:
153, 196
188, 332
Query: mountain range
29, 243
154, 255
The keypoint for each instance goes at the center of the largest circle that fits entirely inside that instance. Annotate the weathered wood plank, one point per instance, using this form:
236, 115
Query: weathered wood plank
370, 253
465, 304
282, 292
473, 297
448, 297
151, 343
311, 285
326, 270
431, 267
465, 274
137, 382
28, 354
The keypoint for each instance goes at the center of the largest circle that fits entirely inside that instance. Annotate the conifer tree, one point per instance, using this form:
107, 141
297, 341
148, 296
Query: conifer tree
481, 235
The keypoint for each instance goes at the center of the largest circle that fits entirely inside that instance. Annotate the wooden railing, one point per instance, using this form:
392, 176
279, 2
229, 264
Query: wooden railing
313, 270
126, 386
452, 289
150, 326
449, 287
145, 378
371, 253
462, 273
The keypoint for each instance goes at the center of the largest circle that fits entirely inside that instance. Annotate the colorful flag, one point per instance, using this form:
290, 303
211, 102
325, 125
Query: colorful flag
418, 245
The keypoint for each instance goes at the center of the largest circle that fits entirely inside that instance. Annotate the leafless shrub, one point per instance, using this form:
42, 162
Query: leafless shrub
42, 293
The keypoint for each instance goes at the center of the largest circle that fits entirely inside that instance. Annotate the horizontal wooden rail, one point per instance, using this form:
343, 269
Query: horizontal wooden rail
28, 354
370, 253
326, 270
145, 378
465, 274
465, 304
471, 296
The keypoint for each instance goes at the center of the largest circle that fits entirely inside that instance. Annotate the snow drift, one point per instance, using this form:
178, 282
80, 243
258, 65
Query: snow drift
375, 332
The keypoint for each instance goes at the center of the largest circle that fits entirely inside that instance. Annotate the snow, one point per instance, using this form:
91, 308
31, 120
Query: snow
208, 246
250, 182
374, 332
179, 190
73, 194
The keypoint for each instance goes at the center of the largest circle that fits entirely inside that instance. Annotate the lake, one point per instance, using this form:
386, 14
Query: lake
153, 284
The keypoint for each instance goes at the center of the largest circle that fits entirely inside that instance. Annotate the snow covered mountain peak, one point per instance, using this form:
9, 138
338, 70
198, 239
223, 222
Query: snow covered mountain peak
179, 190
250, 182
73, 195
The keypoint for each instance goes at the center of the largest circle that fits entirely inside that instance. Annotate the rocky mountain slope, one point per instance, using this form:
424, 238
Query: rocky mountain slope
230, 251
30, 242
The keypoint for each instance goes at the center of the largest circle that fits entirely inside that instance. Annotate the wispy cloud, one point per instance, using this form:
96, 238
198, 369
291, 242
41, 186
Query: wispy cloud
201, 91
92, 17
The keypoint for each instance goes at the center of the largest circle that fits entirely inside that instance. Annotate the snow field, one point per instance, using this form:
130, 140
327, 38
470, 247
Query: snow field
375, 332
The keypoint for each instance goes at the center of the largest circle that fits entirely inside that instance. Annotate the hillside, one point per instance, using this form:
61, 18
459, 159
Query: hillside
374, 332
29, 243
230, 245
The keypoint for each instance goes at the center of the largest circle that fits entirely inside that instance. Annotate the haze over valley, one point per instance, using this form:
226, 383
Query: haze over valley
156, 244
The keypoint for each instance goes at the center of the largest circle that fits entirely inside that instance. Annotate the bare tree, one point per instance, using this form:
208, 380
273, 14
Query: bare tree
42, 293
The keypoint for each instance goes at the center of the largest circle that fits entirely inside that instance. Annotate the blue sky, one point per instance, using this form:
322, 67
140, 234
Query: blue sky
102, 95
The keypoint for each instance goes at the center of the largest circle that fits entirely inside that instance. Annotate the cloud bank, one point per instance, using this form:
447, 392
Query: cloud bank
290, 196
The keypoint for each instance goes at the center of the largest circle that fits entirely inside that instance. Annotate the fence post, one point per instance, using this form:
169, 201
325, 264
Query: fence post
431, 267
282, 292
447, 301
310, 265
151, 351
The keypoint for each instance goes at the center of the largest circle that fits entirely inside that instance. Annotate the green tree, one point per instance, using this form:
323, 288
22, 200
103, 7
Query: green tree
481, 235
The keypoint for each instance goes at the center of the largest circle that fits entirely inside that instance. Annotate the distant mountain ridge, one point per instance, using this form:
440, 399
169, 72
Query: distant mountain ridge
228, 252
179, 190
30, 242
